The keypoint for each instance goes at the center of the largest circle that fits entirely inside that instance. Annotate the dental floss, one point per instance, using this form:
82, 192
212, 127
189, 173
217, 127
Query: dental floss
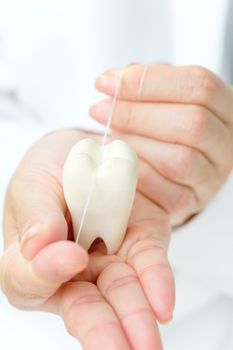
143, 77
107, 129
109, 122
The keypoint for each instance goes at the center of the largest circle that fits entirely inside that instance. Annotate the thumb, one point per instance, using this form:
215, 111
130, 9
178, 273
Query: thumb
35, 208
35, 215
34, 212
31, 284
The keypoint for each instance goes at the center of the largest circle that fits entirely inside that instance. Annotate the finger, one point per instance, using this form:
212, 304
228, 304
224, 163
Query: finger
36, 213
118, 283
145, 248
179, 164
191, 84
35, 207
98, 261
187, 125
179, 201
29, 284
89, 318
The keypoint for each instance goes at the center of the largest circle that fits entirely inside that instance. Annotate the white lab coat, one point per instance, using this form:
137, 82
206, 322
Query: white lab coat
50, 53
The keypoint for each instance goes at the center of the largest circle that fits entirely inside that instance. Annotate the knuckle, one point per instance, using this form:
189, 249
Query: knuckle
10, 293
144, 172
17, 304
73, 311
183, 202
5, 276
3, 286
181, 165
78, 304
139, 312
116, 276
153, 244
203, 84
84, 327
226, 144
12, 300
16, 285
155, 251
199, 123
120, 282
129, 119
154, 267
85, 300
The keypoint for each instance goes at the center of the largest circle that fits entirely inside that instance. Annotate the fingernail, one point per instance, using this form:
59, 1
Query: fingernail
100, 111
107, 83
27, 238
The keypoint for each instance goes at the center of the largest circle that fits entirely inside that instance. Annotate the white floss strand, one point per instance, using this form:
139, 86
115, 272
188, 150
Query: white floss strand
142, 81
107, 129
91, 189
109, 122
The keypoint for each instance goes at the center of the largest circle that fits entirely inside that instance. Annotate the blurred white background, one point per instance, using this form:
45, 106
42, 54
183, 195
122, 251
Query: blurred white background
203, 284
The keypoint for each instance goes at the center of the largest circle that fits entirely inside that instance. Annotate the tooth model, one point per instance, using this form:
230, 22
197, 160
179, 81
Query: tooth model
110, 172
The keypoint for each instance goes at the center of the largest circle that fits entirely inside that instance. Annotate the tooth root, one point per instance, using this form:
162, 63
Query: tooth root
112, 243
87, 239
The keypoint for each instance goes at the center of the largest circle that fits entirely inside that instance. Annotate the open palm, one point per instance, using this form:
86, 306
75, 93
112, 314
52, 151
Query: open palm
107, 302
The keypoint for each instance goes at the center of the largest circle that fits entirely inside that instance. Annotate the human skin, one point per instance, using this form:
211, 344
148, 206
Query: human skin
107, 302
185, 151
181, 126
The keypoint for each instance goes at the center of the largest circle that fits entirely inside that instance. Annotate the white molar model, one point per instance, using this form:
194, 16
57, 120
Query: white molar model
110, 172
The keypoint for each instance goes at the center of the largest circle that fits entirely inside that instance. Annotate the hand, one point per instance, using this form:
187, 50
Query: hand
107, 302
182, 128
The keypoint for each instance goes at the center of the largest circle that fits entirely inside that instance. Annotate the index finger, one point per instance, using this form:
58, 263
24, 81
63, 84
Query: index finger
165, 83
